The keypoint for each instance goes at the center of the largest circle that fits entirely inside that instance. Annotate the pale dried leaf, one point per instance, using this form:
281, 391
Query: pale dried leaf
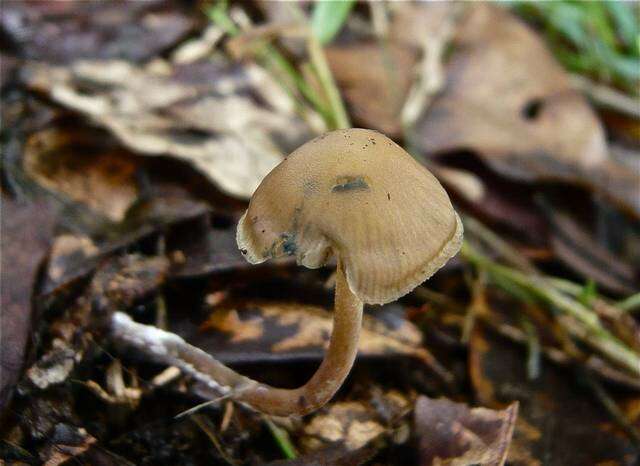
354, 424
232, 122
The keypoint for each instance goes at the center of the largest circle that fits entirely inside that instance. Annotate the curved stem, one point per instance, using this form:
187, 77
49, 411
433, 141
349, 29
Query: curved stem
343, 346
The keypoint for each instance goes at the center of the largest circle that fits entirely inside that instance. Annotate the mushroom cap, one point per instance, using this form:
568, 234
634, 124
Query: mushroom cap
356, 194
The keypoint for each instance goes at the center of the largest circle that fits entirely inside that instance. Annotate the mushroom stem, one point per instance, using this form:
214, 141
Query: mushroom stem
169, 348
337, 362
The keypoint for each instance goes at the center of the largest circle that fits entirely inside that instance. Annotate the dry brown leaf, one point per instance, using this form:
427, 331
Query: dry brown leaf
353, 424
65, 249
229, 322
507, 99
61, 32
559, 422
81, 166
454, 434
75, 256
67, 444
334, 455
342, 423
27, 229
232, 122
201, 249
412, 24
374, 81
260, 330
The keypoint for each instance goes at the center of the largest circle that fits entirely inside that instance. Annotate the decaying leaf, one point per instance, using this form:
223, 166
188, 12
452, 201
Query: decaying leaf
254, 331
335, 455
453, 434
26, 232
118, 283
354, 424
74, 255
363, 70
67, 443
200, 249
342, 424
232, 122
501, 201
124, 280
559, 423
68, 253
61, 32
508, 100
53, 367
83, 166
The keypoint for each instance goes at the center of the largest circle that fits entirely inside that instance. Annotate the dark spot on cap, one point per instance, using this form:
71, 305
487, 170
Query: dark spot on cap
388, 196
243, 251
349, 183
289, 246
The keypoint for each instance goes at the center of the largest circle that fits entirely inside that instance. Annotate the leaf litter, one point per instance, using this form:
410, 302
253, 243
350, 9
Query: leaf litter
157, 240
234, 128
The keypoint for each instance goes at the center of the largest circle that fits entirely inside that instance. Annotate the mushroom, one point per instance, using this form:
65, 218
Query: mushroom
352, 194
356, 195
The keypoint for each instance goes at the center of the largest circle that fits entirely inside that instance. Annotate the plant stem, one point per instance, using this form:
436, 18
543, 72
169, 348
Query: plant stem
533, 349
630, 304
321, 66
281, 437
203, 425
533, 284
588, 328
291, 80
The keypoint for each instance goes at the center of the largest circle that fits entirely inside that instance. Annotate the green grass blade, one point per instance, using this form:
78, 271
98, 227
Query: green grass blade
626, 22
328, 17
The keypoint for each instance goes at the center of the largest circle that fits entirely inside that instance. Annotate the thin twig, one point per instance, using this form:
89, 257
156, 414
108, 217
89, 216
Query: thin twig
612, 409
202, 424
476, 307
607, 97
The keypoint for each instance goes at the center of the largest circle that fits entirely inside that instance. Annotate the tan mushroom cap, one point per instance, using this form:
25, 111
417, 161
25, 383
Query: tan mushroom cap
356, 194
